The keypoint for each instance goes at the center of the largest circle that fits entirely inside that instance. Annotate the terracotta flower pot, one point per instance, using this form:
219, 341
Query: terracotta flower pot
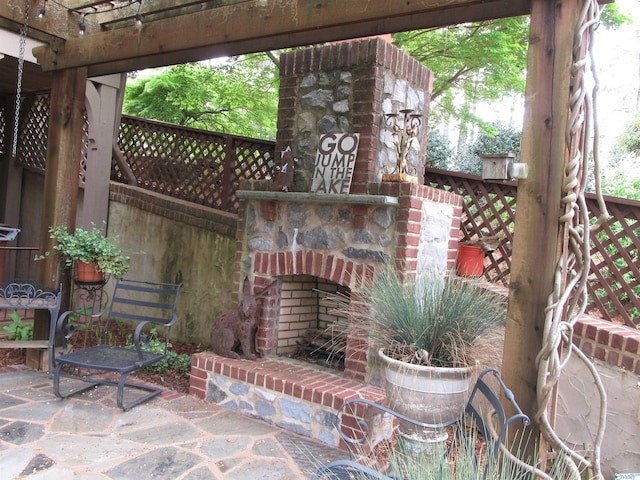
470, 261
88, 273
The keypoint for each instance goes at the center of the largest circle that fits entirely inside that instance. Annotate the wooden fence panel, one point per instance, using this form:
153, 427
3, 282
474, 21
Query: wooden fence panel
193, 165
614, 282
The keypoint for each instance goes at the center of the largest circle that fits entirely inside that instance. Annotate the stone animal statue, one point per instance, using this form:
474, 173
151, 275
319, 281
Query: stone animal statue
237, 328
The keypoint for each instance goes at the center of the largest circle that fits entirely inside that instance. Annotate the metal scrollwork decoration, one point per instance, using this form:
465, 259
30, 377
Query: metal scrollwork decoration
25, 295
405, 127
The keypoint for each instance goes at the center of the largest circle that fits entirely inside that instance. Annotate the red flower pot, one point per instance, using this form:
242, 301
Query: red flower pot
470, 261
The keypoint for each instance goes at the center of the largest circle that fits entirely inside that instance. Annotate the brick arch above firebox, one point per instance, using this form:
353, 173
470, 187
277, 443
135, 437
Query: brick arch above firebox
327, 265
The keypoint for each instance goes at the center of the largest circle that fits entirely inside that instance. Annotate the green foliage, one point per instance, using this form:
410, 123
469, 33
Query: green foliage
474, 61
457, 461
612, 18
499, 138
439, 150
73, 317
478, 62
179, 362
239, 96
18, 330
630, 138
621, 177
433, 320
89, 246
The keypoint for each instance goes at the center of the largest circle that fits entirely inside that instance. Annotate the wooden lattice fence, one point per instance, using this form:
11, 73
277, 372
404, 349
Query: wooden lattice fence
194, 165
614, 283
488, 209
31, 150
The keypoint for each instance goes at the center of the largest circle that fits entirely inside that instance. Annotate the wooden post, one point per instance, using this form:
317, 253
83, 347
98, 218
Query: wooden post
66, 131
536, 236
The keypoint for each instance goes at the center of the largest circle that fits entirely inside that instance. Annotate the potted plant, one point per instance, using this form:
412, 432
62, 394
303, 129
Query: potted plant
424, 331
89, 250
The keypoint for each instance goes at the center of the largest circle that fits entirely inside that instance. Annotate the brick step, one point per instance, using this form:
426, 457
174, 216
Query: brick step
299, 381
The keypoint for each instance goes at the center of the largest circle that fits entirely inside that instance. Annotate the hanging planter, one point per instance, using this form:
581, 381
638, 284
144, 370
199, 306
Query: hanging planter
470, 262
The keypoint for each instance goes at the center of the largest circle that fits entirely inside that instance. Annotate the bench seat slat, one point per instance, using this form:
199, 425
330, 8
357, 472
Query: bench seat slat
139, 318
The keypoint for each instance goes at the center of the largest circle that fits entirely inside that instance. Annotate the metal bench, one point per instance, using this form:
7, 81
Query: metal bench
27, 296
483, 409
138, 302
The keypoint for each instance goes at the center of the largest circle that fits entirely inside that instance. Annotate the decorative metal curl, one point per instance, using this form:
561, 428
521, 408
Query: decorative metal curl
405, 126
26, 295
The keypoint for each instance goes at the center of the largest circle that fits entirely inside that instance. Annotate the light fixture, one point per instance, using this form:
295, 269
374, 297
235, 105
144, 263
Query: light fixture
42, 11
139, 16
81, 27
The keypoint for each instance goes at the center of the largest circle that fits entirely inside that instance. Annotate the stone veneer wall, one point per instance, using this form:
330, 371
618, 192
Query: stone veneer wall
299, 398
342, 239
348, 87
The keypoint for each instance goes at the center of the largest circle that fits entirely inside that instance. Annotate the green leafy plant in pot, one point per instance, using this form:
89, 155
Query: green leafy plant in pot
89, 247
424, 332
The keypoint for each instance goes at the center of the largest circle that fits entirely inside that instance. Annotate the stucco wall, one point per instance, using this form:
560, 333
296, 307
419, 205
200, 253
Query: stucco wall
173, 240
578, 411
615, 351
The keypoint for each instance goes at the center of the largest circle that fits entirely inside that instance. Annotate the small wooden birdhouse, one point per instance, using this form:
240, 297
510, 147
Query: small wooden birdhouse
495, 166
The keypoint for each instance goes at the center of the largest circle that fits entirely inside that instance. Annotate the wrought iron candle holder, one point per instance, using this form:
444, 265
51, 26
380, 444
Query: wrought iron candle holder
405, 126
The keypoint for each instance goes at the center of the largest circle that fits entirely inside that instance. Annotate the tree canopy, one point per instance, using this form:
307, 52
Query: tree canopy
237, 96
471, 62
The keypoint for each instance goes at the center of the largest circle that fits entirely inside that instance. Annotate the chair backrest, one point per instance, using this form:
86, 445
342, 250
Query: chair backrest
137, 300
484, 401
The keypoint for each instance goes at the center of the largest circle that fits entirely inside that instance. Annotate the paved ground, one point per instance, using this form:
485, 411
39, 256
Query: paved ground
171, 437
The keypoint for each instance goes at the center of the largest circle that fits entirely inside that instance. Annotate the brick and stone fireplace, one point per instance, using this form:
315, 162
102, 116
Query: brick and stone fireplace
295, 245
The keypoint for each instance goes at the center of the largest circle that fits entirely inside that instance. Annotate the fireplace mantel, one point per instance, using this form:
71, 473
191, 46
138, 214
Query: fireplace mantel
318, 198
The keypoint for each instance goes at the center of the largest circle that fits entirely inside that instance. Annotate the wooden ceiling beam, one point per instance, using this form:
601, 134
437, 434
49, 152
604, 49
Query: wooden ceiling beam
52, 27
277, 24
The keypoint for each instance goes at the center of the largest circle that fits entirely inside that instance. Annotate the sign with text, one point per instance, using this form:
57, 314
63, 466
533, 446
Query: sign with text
334, 163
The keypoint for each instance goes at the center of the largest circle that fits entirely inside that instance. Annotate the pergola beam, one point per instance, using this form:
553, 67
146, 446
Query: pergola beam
276, 24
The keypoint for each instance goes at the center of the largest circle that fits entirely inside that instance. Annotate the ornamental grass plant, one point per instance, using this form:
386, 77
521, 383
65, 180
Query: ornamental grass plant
433, 320
465, 458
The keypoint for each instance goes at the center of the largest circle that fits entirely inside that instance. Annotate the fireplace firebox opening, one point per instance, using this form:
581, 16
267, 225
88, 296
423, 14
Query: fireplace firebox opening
306, 319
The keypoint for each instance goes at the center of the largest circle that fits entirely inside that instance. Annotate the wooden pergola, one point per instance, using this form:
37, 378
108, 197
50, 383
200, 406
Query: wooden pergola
179, 31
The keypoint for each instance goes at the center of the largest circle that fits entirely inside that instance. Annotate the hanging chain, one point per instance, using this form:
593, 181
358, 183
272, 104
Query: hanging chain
21, 55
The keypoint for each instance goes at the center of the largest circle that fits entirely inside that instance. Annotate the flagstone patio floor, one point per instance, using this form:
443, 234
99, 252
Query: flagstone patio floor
173, 436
